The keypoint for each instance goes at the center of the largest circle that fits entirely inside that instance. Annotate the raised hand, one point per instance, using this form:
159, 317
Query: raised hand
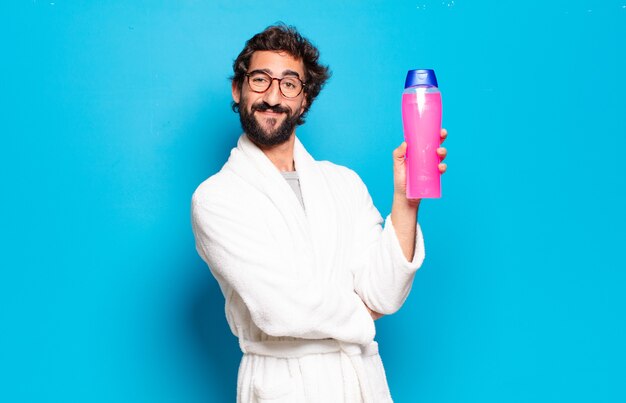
399, 164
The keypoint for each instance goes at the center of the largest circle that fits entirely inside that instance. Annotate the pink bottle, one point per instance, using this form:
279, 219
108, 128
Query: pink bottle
421, 117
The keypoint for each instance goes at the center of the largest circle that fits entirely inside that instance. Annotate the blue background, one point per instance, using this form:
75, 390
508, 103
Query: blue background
113, 113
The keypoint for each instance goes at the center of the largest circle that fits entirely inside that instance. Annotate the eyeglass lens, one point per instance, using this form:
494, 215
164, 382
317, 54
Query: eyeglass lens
289, 86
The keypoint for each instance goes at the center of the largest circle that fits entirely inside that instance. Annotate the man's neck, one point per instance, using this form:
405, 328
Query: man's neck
281, 155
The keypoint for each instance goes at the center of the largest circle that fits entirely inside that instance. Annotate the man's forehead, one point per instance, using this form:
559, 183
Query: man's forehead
276, 63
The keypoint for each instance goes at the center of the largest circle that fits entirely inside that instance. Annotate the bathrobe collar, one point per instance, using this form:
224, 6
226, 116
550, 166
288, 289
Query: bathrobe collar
317, 222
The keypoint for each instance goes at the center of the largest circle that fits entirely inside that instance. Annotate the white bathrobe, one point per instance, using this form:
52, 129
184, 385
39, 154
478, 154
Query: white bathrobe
296, 280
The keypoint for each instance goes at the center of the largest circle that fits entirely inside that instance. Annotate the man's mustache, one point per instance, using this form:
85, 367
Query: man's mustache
264, 106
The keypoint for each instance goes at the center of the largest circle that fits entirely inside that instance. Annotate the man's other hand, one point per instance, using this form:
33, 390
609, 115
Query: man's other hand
373, 314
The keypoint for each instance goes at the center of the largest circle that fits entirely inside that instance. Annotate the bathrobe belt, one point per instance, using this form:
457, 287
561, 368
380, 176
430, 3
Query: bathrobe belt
303, 347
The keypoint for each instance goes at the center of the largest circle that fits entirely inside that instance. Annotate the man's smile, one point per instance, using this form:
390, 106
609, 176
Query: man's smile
269, 112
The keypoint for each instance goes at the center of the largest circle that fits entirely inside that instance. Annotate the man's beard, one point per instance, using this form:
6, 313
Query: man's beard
257, 133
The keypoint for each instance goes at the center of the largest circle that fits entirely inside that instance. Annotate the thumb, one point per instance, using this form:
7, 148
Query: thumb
399, 153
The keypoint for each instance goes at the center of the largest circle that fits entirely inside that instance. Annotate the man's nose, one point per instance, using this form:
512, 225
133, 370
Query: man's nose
273, 96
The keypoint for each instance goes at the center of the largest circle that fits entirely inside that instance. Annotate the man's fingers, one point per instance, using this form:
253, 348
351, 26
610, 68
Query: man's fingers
442, 152
443, 168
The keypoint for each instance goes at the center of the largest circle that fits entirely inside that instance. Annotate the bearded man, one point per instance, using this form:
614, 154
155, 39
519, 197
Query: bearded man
296, 245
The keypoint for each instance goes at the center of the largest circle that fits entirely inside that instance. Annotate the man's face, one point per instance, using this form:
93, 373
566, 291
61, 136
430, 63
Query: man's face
269, 118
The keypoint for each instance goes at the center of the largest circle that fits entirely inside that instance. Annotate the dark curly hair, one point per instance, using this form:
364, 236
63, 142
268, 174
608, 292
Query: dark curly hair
281, 37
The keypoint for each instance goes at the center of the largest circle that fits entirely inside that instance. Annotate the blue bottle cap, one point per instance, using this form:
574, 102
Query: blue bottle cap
420, 77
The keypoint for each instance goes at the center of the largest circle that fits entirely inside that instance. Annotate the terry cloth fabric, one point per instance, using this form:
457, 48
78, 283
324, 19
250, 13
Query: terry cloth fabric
290, 277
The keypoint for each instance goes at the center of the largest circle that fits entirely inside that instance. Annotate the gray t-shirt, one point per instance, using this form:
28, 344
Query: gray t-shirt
294, 181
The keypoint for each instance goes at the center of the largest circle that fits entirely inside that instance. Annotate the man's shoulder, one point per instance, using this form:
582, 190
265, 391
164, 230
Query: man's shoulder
219, 186
336, 169
338, 172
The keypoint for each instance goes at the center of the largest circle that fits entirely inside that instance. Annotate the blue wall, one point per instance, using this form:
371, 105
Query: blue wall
113, 112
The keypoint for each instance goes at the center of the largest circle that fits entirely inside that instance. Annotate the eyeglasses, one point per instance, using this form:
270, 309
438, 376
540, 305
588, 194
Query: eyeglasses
289, 86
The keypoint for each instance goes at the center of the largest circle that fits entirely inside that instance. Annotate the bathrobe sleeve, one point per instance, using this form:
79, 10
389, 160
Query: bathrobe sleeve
382, 275
283, 300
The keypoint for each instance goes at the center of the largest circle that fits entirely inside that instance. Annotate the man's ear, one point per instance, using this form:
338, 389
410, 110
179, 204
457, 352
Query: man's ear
303, 107
236, 91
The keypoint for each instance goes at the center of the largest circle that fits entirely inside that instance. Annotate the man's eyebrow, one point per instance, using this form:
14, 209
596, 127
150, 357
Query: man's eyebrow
285, 72
291, 73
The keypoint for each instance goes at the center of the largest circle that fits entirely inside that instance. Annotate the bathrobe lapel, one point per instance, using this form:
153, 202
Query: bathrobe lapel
315, 227
321, 209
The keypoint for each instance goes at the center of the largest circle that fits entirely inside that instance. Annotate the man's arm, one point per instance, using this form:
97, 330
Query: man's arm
282, 301
403, 210
404, 219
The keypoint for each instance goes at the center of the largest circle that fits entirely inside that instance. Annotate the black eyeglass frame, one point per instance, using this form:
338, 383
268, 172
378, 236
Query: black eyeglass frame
279, 81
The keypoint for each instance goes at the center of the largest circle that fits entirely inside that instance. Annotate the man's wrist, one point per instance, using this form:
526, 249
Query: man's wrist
404, 213
400, 200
